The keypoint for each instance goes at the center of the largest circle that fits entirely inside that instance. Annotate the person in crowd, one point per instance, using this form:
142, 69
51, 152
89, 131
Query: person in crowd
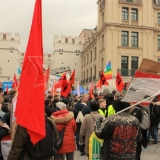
49, 110
87, 126
50, 99
85, 109
106, 91
109, 99
56, 99
121, 133
114, 92
102, 107
1, 95
18, 149
64, 118
1, 112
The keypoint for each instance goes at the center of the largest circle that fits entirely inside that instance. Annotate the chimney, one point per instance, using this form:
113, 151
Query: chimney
70, 39
63, 39
8, 36
17, 37
56, 39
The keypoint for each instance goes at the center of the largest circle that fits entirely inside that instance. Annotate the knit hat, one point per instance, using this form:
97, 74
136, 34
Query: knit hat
60, 105
106, 91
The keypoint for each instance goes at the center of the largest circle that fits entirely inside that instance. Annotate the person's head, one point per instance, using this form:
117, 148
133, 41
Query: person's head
1, 91
85, 98
102, 103
46, 103
114, 92
94, 106
60, 105
75, 97
117, 95
57, 97
50, 98
65, 101
106, 91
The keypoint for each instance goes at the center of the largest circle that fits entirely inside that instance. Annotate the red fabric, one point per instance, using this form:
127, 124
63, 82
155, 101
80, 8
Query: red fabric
46, 79
66, 88
103, 80
91, 91
60, 82
71, 80
119, 82
7, 88
53, 91
98, 84
68, 144
30, 101
15, 82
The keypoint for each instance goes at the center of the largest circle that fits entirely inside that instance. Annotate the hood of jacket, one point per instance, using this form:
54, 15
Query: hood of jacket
62, 116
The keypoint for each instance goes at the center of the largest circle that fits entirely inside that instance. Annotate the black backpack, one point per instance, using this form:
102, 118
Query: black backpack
46, 147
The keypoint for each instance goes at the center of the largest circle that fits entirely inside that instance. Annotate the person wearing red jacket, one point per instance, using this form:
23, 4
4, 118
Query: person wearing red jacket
64, 118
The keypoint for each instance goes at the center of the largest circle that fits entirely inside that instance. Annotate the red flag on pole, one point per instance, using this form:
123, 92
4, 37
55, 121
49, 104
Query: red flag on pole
53, 91
15, 82
46, 78
61, 81
91, 91
7, 88
103, 80
71, 80
119, 82
66, 88
30, 101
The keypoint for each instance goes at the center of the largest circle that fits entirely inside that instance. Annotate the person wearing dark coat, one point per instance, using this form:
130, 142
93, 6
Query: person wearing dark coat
85, 109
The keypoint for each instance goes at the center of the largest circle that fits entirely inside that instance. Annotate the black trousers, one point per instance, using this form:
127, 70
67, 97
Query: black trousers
69, 156
144, 138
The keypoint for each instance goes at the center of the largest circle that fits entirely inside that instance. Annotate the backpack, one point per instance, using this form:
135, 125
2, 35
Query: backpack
45, 148
80, 116
61, 135
145, 121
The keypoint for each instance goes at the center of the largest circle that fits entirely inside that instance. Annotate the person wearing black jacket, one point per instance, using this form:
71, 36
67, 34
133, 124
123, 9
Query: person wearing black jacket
121, 133
84, 107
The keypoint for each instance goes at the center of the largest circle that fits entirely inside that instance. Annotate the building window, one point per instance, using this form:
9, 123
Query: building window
134, 63
158, 1
158, 42
87, 58
102, 18
60, 53
91, 57
129, 0
95, 72
102, 42
77, 54
102, 64
158, 61
124, 13
124, 65
158, 18
95, 52
84, 61
134, 39
134, 15
90, 72
124, 38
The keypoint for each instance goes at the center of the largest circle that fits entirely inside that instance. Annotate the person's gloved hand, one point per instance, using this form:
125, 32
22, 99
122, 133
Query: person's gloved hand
98, 123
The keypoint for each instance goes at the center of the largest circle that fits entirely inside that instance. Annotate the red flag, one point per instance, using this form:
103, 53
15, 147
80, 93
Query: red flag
46, 78
98, 84
119, 82
61, 81
53, 91
15, 82
7, 88
91, 91
103, 80
30, 101
71, 80
66, 88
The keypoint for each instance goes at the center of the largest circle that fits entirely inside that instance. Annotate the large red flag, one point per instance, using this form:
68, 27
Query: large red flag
66, 88
103, 80
46, 78
119, 82
53, 91
61, 81
30, 101
15, 82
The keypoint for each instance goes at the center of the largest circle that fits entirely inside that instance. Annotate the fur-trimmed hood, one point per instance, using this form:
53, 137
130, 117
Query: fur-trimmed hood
157, 103
62, 116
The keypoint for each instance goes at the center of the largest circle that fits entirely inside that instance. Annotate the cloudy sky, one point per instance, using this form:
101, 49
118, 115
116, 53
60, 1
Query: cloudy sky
60, 17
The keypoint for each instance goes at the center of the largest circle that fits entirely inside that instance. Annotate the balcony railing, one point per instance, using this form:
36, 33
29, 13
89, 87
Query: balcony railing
127, 72
131, 1
90, 79
94, 78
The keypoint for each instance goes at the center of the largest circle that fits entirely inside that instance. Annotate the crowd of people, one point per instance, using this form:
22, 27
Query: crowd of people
123, 135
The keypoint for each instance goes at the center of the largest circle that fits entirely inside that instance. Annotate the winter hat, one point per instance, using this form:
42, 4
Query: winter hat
119, 105
106, 91
60, 105
1, 90
65, 100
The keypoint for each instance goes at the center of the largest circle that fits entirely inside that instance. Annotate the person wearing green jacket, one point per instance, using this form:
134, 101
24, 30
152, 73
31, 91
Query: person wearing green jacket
102, 107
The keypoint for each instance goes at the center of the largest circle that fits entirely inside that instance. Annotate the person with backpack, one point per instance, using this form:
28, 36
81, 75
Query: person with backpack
87, 127
65, 122
23, 149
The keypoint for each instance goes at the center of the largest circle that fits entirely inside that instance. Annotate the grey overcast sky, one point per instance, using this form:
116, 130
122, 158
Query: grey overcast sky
60, 17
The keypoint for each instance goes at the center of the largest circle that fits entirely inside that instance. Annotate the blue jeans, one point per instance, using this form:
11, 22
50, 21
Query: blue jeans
155, 133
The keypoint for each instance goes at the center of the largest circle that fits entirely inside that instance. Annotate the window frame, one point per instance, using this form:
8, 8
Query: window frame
158, 18
134, 39
158, 41
134, 15
125, 14
124, 38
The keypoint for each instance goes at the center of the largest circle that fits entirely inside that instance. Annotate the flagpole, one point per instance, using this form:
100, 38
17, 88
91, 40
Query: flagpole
139, 102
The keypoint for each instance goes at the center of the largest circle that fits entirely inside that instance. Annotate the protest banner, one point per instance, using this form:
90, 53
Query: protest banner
95, 145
